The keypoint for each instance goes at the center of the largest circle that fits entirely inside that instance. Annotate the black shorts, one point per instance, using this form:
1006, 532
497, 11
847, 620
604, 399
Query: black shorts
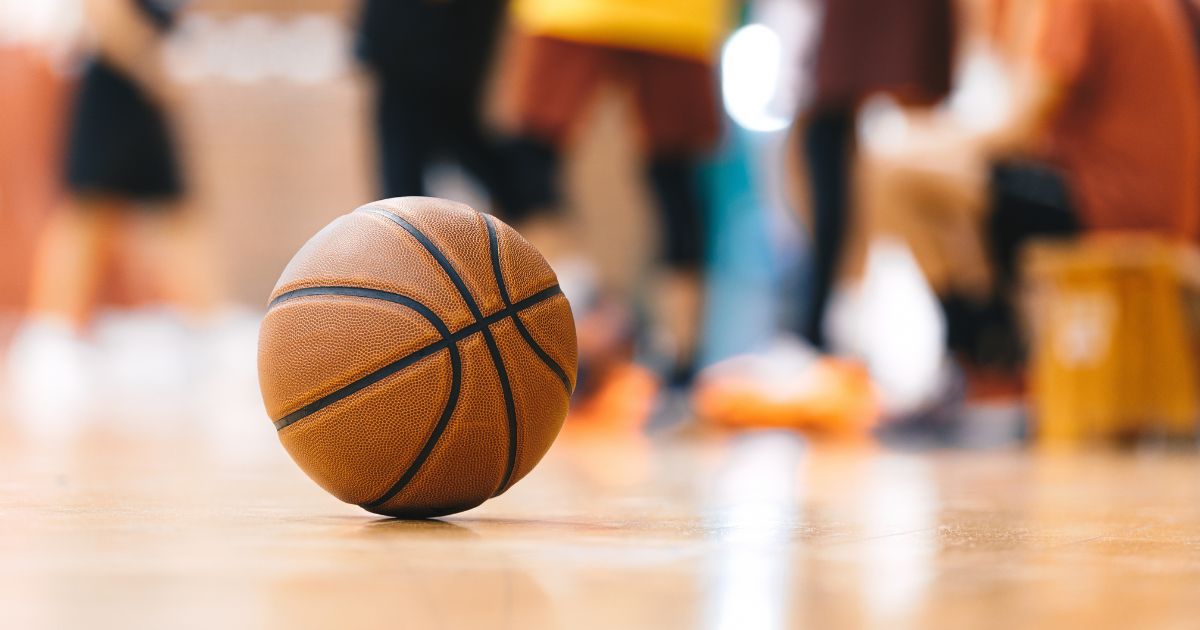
119, 144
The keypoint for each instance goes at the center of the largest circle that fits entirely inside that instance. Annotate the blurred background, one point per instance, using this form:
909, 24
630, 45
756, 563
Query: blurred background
964, 222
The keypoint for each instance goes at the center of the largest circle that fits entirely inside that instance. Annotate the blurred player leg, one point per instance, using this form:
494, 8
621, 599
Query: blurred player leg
520, 175
537, 211
406, 136
899, 48
174, 246
1025, 201
74, 252
50, 361
680, 122
827, 147
680, 294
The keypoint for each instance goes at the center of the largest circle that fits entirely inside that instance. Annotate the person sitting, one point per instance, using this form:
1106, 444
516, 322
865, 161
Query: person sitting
1103, 133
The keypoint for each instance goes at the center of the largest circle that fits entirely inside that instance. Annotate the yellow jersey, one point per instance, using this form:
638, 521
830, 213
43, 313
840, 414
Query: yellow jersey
690, 28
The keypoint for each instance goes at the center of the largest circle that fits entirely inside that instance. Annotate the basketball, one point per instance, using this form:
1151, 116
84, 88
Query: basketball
417, 357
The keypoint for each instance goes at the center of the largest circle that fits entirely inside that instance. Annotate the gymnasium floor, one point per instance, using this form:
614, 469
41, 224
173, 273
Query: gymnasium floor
179, 527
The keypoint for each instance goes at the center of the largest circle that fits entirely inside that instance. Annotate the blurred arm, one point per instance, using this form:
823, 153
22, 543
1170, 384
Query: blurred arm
1038, 97
127, 40
1052, 44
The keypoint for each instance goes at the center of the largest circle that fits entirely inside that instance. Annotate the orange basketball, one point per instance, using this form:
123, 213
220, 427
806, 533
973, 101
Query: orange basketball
417, 357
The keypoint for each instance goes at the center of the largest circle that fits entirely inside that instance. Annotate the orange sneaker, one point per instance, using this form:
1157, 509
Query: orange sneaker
788, 387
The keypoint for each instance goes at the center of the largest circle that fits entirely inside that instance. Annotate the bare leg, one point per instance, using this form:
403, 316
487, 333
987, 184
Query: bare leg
71, 258
49, 364
932, 202
174, 248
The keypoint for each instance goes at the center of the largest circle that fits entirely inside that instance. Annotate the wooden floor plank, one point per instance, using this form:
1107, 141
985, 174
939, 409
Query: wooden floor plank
767, 530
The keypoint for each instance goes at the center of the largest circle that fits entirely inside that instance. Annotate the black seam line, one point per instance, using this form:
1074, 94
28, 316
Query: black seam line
427, 448
510, 404
533, 344
374, 377
437, 254
377, 375
388, 296
510, 407
448, 338
359, 385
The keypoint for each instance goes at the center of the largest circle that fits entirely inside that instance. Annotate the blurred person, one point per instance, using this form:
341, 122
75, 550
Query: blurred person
35, 40
900, 48
1103, 133
430, 63
429, 60
660, 54
124, 195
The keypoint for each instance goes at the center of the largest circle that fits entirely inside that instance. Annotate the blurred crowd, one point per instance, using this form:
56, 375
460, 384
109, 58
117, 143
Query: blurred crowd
930, 142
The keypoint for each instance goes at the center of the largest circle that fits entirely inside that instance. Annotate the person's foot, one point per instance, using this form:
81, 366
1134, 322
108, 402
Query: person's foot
225, 397
146, 358
788, 385
623, 398
50, 370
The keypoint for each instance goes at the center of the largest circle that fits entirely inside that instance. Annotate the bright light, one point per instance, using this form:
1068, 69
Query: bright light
750, 76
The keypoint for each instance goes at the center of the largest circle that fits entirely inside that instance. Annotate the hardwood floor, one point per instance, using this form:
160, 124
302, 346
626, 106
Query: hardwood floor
174, 528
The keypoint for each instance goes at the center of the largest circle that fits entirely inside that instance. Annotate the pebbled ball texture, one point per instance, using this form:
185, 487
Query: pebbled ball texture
417, 357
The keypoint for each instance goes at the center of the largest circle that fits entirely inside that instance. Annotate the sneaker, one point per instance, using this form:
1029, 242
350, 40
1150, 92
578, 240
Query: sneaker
50, 376
789, 385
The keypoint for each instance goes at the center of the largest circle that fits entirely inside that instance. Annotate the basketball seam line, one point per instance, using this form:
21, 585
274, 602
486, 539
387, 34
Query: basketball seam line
524, 332
497, 359
437, 254
395, 366
449, 341
408, 359
434, 436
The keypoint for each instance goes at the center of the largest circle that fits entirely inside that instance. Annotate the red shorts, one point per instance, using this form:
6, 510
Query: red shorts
675, 98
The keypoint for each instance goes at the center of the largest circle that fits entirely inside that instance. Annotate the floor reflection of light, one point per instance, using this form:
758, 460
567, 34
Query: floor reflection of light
899, 526
751, 514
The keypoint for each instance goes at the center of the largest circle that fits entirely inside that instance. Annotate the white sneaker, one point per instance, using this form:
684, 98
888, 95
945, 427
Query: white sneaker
146, 366
50, 377
225, 400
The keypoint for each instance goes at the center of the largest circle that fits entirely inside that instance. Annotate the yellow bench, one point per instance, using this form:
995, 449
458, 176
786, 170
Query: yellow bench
1113, 351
